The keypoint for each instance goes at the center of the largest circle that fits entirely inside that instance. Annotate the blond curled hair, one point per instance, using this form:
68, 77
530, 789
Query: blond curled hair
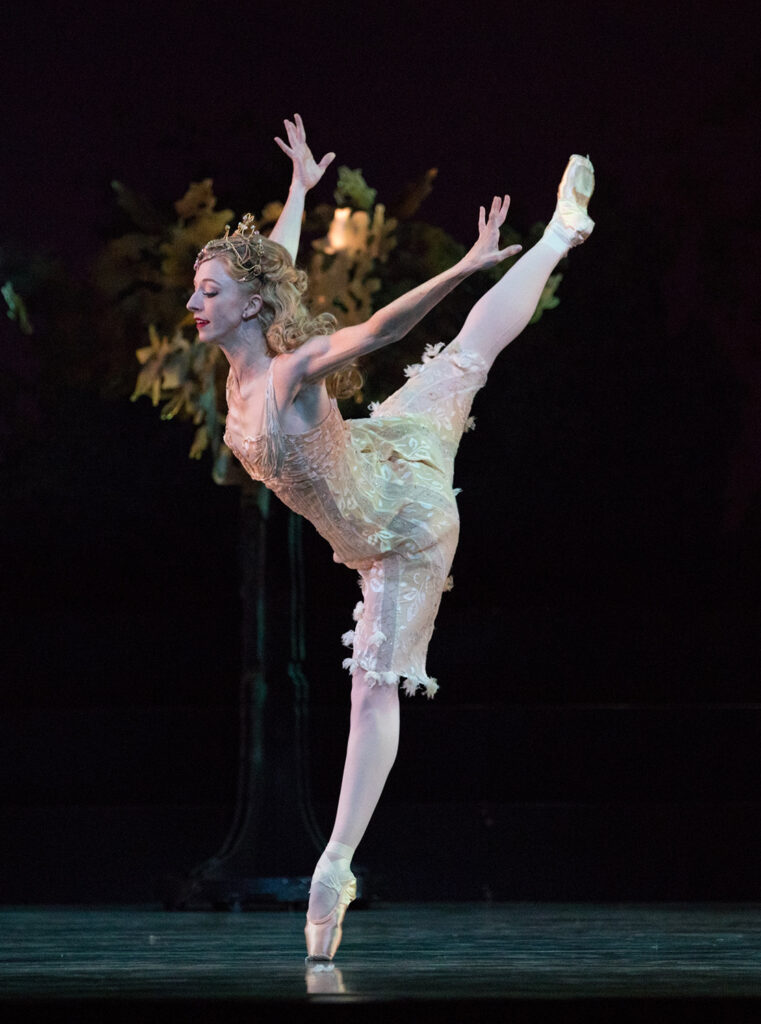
285, 319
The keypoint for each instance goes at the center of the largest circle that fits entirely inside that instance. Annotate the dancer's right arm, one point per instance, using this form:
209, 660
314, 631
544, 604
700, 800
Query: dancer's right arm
306, 173
322, 355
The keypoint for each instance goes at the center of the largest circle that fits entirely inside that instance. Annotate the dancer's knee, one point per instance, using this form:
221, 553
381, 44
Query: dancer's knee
373, 700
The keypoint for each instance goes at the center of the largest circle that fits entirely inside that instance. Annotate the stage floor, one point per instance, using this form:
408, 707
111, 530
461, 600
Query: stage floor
483, 956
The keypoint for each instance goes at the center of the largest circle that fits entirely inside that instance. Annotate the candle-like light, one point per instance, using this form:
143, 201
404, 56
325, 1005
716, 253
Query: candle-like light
348, 231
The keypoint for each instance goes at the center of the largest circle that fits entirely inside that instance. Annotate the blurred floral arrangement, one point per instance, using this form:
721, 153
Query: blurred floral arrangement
357, 255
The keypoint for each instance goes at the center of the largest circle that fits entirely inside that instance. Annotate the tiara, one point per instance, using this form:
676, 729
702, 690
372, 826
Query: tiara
251, 249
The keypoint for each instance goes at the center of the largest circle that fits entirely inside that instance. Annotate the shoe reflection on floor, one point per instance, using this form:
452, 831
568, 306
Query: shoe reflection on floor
324, 979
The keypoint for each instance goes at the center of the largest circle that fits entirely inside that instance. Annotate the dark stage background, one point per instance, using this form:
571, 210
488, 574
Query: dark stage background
598, 726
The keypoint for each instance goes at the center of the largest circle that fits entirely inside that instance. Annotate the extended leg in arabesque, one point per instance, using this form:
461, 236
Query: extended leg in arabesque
502, 313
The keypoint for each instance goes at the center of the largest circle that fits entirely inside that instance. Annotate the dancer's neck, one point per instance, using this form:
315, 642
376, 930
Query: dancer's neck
247, 353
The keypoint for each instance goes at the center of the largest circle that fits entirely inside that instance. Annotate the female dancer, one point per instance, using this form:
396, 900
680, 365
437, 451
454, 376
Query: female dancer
378, 489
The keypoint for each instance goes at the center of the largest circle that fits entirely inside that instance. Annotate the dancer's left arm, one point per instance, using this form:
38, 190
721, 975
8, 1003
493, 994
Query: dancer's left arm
306, 173
321, 355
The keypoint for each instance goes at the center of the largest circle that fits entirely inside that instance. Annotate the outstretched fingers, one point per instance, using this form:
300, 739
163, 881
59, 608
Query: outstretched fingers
486, 251
296, 136
497, 214
499, 208
306, 168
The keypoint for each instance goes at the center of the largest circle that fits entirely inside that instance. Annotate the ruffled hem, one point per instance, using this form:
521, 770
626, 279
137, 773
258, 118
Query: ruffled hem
412, 682
409, 683
465, 359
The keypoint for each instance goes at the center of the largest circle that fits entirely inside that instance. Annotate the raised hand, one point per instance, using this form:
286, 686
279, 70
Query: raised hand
306, 171
486, 251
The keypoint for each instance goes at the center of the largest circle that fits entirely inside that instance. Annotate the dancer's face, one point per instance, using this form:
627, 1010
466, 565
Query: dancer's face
218, 302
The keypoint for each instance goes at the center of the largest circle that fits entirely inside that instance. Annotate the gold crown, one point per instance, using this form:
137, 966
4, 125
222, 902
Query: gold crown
251, 250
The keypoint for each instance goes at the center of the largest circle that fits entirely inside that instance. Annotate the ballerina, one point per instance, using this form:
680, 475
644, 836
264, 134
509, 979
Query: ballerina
378, 489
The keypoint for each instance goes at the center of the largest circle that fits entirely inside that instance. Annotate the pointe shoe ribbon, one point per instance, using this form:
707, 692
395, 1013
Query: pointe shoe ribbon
570, 221
323, 936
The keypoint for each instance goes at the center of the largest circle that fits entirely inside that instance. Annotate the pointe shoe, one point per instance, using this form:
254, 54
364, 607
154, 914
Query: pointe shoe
323, 936
570, 222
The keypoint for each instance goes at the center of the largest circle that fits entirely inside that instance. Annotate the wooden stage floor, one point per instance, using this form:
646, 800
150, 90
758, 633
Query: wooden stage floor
502, 961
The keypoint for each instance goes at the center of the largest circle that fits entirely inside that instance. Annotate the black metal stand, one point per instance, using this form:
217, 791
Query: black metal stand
274, 839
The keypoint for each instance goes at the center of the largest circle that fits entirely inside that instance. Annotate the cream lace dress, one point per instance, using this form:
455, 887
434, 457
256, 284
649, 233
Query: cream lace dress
379, 490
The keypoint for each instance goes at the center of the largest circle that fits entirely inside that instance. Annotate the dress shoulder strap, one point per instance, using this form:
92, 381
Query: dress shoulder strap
273, 442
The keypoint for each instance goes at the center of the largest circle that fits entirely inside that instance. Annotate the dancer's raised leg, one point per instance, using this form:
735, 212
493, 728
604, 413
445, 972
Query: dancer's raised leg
370, 753
500, 315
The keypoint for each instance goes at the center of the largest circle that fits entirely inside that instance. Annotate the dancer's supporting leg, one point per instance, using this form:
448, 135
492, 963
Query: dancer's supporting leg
500, 315
370, 754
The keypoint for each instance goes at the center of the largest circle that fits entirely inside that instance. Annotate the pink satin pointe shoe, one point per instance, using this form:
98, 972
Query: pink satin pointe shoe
323, 936
570, 221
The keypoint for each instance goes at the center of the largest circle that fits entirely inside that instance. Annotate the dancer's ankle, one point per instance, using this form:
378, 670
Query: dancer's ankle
555, 240
338, 851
